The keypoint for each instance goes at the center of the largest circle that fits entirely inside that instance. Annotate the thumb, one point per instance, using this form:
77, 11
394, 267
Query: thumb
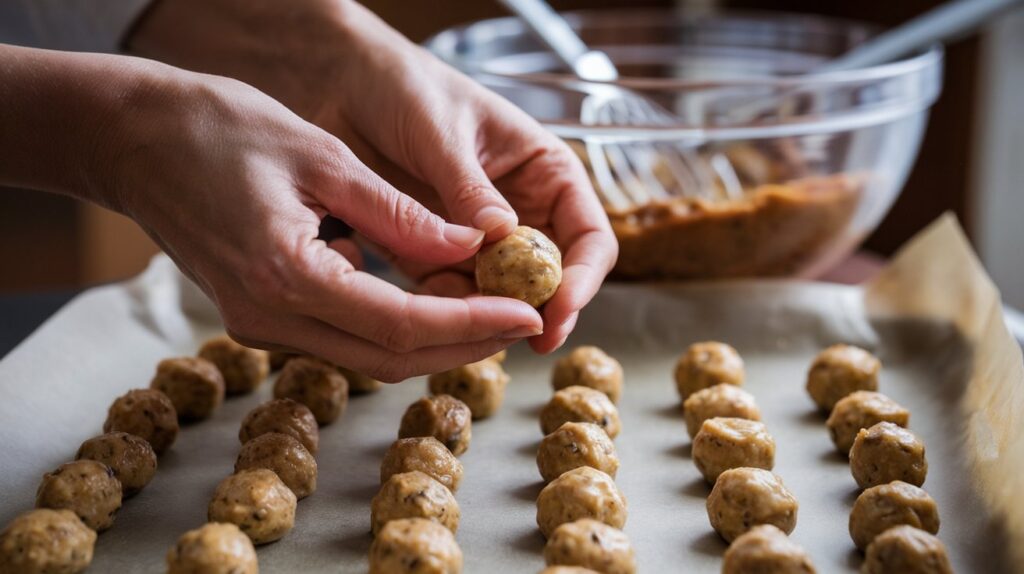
470, 197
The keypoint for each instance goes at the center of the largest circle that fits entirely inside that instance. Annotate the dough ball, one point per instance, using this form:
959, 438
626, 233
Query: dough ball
526, 265
284, 455
257, 502
195, 386
861, 410
284, 416
582, 492
766, 549
277, 359
568, 570
705, 365
887, 452
145, 413
414, 495
85, 487
574, 445
580, 405
316, 384
214, 548
725, 443
443, 417
722, 400
417, 545
425, 454
131, 458
500, 356
590, 544
591, 367
480, 385
840, 370
243, 368
879, 508
45, 541
906, 550
746, 497
358, 383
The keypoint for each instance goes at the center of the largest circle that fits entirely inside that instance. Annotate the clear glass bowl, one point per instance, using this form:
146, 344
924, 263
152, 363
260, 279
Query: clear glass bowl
820, 156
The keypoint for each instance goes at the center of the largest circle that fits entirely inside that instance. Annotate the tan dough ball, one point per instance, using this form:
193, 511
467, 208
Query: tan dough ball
316, 384
746, 497
707, 364
861, 410
284, 455
414, 495
195, 386
147, 414
85, 487
500, 356
277, 359
574, 445
480, 385
243, 368
425, 454
887, 452
358, 383
766, 549
879, 508
257, 502
582, 492
441, 416
214, 548
589, 366
580, 405
568, 570
415, 545
840, 370
906, 550
723, 400
45, 541
725, 443
131, 458
526, 265
590, 544
284, 416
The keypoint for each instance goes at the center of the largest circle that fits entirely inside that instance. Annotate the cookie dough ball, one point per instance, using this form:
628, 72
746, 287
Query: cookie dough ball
765, 548
574, 445
243, 368
257, 502
583, 492
887, 452
725, 443
840, 370
443, 417
85, 487
316, 384
284, 455
277, 359
746, 497
214, 548
46, 541
906, 550
861, 410
284, 416
480, 385
358, 383
590, 544
580, 405
425, 454
879, 508
718, 401
417, 545
145, 413
526, 265
195, 386
414, 495
705, 365
132, 459
591, 367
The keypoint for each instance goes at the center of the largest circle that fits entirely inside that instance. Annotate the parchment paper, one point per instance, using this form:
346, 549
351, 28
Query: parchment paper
932, 317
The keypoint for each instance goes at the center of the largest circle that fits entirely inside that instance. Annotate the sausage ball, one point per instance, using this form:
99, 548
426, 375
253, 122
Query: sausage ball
284, 455
887, 452
723, 400
583, 492
480, 385
590, 544
243, 368
132, 459
214, 548
765, 548
414, 495
861, 410
906, 550
525, 265
45, 541
879, 508
257, 502
195, 386
85, 487
705, 365
589, 366
284, 416
145, 413
574, 445
425, 454
415, 545
840, 370
316, 384
443, 417
580, 405
725, 443
746, 497
358, 383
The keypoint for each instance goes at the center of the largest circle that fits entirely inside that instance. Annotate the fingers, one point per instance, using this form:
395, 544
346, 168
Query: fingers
448, 284
468, 194
349, 250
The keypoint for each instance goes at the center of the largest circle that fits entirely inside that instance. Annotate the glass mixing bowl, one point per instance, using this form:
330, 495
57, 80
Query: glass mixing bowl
785, 169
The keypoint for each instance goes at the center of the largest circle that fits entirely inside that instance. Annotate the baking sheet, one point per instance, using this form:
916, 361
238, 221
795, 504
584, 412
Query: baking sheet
946, 356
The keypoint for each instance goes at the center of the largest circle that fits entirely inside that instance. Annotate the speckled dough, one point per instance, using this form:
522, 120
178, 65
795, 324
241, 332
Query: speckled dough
45, 541
887, 452
284, 416
707, 364
194, 385
722, 400
526, 265
358, 383
725, 443
414, 495
881, 507
861, 410
583, 492
415, 546
257, 502
591, 367
591, 544
906, 550
214, 548
145, 413
480, 385
580, 405
243, 368
765, 549
441, 416
316, 384
131, 458
85, 487
574, 445
745, 497
840, 370
284, 455
425, 454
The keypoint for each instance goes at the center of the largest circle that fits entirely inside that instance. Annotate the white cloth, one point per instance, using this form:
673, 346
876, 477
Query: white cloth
78, 25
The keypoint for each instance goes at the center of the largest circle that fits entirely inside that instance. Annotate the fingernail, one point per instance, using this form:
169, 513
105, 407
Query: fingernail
521, 333
465, 237
492, 217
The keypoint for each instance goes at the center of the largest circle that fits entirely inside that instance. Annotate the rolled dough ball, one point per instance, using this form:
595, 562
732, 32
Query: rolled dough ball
840, 370
861, 410
243, 368
746, 497
500, 356
131, 458
722, 400
277, 359
316, 384
574, 445
85, 487
526, 265
590, 544
881, 507
284, 455
284, 416
45, 541
725, 443
443, 417
887, 452
425, 454
580, 405
707, 364
417, 545
147, 414
766, 549
214, 548
257, 502
589, 366
906, 550
582, 492
358, 383
195, 386
480, 385
414, 495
